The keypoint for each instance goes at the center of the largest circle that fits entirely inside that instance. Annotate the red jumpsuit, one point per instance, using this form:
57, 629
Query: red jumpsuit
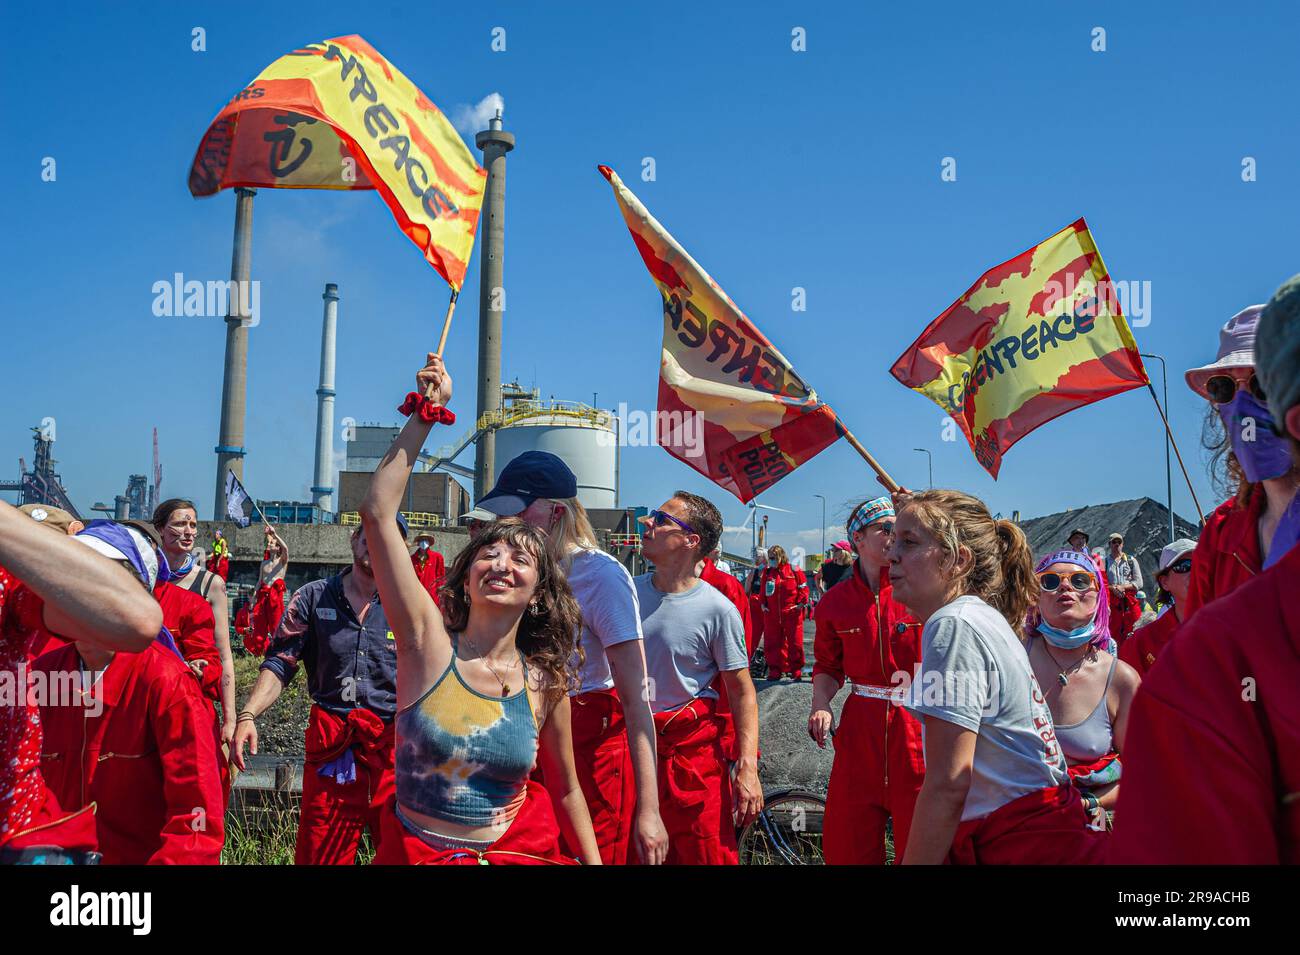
1140, 650
220, 565
1212, 753
1048, 827
267, 610
431, 568
533, 838
732, 589
694, 792
147, 759
30, 814
1227, 552
879, 758
754, 593
783, 624
189, 618
602, 757
334, 814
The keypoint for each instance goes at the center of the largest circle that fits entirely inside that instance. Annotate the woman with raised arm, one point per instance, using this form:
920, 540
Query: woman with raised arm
996, 787
482, 684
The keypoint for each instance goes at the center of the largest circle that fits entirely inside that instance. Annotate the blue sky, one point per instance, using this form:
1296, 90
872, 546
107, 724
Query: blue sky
775, 169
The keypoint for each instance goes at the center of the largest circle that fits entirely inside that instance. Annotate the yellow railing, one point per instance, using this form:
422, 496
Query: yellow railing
523, 410
413, 519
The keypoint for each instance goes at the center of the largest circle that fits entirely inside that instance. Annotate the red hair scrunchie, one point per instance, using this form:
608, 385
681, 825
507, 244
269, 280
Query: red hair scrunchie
428, 411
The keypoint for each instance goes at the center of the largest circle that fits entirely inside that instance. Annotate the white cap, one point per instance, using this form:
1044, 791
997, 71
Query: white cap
1174, 552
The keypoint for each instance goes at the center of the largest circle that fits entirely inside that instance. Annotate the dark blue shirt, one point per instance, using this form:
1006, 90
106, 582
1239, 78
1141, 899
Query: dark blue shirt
349, 664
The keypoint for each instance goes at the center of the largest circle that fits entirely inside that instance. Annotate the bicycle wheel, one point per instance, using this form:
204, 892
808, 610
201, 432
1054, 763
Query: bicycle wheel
787, 832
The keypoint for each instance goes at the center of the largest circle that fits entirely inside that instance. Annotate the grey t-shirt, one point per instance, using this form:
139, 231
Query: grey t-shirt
610, 615
689, 637
975, 673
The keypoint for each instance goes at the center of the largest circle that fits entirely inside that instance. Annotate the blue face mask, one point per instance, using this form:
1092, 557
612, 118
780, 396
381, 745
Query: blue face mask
1067, 639
1266, 455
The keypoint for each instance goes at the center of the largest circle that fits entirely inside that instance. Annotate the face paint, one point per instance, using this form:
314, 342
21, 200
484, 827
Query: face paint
1265, 455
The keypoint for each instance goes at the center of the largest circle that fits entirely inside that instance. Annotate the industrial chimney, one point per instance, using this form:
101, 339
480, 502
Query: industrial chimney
234, 379
495, 143
322, 492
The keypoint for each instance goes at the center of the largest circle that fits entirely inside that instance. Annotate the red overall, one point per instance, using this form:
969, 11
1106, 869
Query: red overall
1140, 650
30, 814
333, 814
1048, 827
732, 589
431, 568
783, 624
754, 594
603, 760
1212, 753
220, 565
694, 791
1124, 614
879, 758
532, 839
142, 751
1227, 552
189, 618
267, 610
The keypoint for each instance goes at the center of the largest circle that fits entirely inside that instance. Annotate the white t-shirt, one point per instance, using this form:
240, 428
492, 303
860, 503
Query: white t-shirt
975, 673
610, 614
689, 637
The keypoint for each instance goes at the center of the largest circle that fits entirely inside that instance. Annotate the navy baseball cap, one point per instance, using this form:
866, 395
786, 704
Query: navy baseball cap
531, 475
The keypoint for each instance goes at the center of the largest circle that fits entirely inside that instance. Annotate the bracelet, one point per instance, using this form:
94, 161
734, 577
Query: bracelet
246, 719
249, 713
428, 411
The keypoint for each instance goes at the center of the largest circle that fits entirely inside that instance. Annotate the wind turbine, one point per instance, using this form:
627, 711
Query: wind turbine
753, 513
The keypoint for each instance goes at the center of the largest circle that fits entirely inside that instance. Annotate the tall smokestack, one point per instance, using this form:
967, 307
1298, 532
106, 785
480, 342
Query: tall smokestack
322, 492
234, 383
495, 143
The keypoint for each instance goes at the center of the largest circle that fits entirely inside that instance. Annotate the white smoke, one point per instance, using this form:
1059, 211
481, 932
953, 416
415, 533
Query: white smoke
472, 119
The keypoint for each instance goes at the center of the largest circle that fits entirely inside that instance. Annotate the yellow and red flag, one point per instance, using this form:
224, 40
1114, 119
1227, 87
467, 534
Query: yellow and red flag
730, 405
337, 115
1035, 337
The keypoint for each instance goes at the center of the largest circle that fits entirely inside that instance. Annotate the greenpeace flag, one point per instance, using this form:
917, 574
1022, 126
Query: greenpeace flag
337, 115
239, 506
1034, 338
730, 405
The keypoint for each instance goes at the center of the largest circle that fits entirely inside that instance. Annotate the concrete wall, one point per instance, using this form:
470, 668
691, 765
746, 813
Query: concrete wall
315, 550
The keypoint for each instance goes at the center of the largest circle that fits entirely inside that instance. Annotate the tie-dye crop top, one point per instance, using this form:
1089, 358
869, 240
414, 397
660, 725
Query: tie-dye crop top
465, 757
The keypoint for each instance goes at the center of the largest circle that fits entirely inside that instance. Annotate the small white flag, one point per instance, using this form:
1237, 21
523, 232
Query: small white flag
239, 506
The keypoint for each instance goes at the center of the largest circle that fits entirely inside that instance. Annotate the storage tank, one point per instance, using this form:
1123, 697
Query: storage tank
585, 438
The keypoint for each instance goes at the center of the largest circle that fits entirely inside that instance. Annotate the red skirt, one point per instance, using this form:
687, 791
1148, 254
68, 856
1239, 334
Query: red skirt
532, 839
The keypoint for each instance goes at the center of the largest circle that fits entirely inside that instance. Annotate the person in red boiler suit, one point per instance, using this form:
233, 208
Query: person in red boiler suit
140, 744
1235, 543
429, 565
733, 590
1213, 753
51, 583
785, 591
865, 636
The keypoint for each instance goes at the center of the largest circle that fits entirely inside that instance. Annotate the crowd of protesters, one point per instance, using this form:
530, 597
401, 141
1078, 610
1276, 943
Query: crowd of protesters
535, 703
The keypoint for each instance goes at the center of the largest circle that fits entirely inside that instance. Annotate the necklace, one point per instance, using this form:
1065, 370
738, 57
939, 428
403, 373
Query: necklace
184, 568
1061, 677
505, 687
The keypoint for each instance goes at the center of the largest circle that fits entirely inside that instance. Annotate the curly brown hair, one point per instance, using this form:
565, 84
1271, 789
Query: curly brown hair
548, 639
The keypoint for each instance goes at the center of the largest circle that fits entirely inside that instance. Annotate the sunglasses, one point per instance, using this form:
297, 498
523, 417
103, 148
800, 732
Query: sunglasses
1081, 581
661, 519
1184, 566
1222, 388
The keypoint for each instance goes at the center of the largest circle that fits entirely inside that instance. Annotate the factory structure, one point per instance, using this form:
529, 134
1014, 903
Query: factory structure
509, 419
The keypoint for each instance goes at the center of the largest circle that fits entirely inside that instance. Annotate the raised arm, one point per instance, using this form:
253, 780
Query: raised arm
414, 617
86, 595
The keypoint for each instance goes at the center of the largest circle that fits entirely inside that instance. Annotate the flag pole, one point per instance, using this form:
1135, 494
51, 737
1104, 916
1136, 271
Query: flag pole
1178, 454
881, 474
446, 328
